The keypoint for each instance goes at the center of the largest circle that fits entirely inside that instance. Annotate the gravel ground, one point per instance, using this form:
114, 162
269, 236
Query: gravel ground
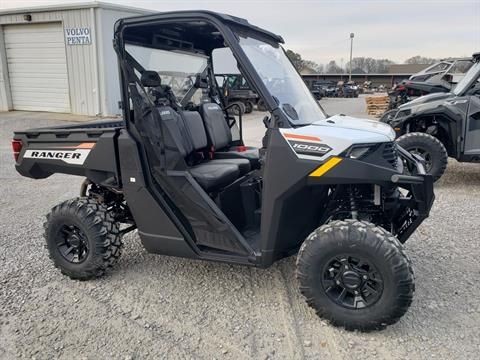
157, 306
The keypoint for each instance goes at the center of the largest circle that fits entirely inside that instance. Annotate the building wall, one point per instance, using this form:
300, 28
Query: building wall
387, 80
109, 75
83, 84
92, 69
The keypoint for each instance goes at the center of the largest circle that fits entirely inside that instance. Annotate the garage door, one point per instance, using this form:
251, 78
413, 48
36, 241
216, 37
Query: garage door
37, 67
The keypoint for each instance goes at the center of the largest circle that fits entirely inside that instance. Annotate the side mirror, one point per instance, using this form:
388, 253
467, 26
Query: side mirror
150, 79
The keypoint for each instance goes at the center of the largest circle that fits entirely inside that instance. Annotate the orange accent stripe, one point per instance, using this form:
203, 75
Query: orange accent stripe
302, 137
88, 145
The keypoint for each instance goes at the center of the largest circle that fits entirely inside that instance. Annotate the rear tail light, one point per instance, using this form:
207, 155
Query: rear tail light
16, 147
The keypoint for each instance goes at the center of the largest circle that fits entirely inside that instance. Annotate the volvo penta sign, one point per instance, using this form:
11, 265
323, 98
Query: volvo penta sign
78, 36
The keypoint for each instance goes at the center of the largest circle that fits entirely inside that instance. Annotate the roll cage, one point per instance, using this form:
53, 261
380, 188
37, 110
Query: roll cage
227, 26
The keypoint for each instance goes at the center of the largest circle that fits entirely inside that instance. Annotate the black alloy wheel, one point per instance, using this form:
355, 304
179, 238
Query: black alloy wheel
352, 281
72, 244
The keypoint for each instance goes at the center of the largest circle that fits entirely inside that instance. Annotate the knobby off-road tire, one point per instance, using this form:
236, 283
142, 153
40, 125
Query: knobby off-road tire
238, 109
430, 148
82, 238
334, 253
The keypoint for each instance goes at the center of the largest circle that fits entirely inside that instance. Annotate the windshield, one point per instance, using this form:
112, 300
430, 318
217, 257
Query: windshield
468, 80
176, 69
282, 81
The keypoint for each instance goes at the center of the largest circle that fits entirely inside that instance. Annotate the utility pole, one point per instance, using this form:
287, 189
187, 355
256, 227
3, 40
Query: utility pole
351, 50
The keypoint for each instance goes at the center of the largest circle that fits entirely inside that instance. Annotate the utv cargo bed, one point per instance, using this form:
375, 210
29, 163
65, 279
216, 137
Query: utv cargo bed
66, 149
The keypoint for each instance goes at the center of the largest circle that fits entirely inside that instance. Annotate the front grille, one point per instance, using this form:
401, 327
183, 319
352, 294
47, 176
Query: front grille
390, 153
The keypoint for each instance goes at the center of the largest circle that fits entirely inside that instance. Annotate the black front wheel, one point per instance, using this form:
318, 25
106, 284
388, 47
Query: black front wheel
429, 148
355, 275
82, 238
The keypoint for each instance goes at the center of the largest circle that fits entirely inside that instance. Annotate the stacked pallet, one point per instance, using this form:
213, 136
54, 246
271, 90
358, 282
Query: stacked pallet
377, 105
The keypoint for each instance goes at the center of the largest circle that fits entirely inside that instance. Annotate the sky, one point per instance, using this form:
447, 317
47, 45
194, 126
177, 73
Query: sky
319, 29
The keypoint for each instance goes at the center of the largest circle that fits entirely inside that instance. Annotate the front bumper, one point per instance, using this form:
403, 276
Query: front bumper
417, 202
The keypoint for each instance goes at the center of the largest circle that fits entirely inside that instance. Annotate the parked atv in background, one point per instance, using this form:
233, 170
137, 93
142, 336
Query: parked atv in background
440, 77
327, 88
317, 91
348, 89
440, 125
236, 90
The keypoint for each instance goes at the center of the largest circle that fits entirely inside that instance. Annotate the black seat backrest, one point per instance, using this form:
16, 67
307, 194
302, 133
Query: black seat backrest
195, 129
186, 130
218, 132
179, 138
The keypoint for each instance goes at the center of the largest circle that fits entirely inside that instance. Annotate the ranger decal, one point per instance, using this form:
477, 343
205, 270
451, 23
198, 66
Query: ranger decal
75, 157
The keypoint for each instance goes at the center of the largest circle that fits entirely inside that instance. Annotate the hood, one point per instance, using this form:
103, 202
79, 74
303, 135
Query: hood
426, 99
363, 128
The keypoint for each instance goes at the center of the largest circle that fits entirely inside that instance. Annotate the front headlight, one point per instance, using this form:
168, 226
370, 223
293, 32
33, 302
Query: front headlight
359, 151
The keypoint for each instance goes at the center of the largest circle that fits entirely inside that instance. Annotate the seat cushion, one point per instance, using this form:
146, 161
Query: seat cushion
241, 152
212, 177
243, 164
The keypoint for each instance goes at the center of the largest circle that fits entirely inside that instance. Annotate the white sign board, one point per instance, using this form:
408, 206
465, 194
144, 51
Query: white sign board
78, 36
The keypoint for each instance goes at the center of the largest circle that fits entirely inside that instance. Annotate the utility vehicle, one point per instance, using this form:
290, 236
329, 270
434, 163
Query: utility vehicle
440, 125
317, 90
332, 189
326, 87
347, 89
440, 77
235, 89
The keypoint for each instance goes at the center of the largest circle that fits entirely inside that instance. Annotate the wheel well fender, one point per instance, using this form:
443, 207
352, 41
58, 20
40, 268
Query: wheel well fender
433, 124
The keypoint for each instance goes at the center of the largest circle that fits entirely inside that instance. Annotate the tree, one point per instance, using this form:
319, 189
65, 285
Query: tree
383, 65
320, 68
333, 68
420, 60
296, 59
362, 65
312, 67
303, 65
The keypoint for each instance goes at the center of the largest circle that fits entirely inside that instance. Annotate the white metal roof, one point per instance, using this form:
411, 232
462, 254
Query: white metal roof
75, 6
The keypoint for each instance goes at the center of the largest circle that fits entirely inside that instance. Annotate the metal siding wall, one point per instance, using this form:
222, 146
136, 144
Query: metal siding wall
108, 64
80, 58
5, 98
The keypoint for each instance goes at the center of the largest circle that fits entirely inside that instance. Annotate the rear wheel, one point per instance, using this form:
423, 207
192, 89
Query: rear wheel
248, 107
355, 275
238, 109
429, 148
82, 238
